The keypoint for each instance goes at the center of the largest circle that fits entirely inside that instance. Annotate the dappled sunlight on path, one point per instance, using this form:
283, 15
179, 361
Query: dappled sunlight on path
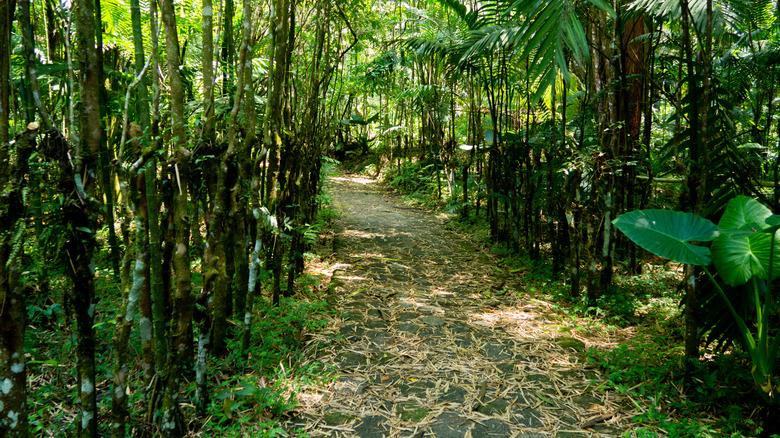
431, 340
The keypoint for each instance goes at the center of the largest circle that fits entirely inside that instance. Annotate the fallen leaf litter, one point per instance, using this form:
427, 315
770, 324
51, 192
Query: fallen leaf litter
425, 345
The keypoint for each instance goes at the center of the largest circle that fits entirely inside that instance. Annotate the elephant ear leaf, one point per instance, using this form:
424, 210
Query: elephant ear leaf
742, 250
668, 234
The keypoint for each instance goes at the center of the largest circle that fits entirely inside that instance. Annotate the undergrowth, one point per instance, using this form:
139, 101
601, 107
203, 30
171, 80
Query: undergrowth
248, 396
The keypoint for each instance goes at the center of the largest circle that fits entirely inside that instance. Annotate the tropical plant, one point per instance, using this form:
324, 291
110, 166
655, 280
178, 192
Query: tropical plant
743, 251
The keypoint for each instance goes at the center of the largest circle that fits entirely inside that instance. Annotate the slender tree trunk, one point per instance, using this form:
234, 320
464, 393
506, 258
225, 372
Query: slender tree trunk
280, 25
104, 154
552, 191
157, 260
691, 195
247, 278
134, 298
203, 318
146, 320
158, 292
304, 173
80, 208
13, 368
208, 72
227, 50
182, 300
36, 179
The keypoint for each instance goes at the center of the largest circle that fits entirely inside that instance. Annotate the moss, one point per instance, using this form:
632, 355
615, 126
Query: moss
411, 412
337, 418
571, 344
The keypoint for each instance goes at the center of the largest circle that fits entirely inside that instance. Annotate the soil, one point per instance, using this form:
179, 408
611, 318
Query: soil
433, 338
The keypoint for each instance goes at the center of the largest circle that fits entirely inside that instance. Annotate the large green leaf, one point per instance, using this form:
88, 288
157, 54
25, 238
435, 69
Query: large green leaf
668, 234
742, 249
743, 213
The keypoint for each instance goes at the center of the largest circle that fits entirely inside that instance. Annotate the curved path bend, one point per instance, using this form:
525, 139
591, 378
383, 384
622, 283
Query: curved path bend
432, 339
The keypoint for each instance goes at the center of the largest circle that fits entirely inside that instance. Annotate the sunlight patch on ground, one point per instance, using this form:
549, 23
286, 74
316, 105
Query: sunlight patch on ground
363, 234
357, 179
530, 322
307, 399
352, 278
442, 293
500, 318
366, 255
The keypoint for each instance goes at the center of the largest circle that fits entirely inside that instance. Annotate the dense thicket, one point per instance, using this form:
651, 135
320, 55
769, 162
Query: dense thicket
188, 139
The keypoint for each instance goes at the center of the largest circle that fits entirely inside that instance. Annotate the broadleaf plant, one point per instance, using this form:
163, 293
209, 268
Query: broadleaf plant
744, 244
668, 234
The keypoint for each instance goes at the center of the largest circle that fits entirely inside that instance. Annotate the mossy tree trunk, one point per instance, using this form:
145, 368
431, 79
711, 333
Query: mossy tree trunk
13, 170
202, 317
182, 305
13, 415
137, 288
158, 262
133, 299
239, 195
250, 171
78, 184
275, 133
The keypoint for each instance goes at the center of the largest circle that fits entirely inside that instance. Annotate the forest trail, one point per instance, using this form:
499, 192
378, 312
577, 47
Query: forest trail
430, 339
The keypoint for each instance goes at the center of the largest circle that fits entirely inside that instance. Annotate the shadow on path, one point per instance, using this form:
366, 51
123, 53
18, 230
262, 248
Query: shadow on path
431, 340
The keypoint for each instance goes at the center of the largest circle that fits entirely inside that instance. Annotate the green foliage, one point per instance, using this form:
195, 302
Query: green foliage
263, 388
416, 179
649, 372
743, 251
545, 33
667, 233
277, 334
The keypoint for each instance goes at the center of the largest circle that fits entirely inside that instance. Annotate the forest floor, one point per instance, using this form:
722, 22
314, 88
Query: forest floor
431, 337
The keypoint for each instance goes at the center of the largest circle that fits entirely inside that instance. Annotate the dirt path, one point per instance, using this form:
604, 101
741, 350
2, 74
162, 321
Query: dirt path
431, 340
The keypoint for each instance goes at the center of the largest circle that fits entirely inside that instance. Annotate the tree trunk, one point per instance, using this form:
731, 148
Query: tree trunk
691, 196
78, 185
252, 174
104, 155
144, 125
182, 300
280, 27
239, 196
227, 50
13, 372
134, 298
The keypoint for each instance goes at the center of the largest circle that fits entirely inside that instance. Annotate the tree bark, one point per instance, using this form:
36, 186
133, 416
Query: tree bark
250, 171
13, 312
274, 122
134, 299
78, 185
238, 193
691, 196
182, 300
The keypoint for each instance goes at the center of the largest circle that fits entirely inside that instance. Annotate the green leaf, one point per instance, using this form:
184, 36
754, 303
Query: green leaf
773, 223
604, 6
743, 213
667, 234
742, 249
248, 390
